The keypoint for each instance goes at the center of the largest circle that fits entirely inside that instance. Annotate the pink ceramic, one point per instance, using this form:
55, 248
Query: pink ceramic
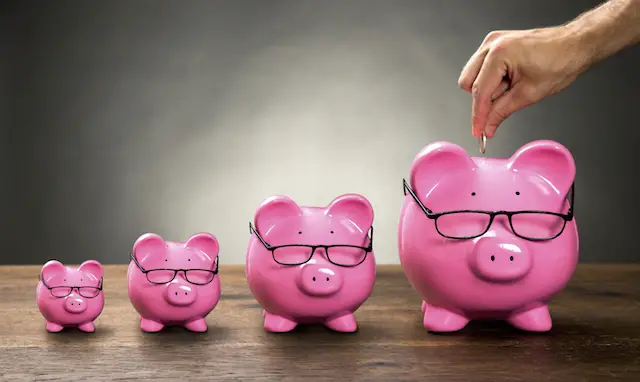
497, 263
70, 297
174, 284
311, 265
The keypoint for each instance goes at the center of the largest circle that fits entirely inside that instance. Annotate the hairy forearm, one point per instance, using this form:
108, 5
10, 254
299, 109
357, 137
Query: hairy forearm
606, 30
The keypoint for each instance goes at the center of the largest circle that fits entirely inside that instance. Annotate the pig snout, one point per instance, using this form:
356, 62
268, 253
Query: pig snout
500, 260
319, 280
75, 304
180, 294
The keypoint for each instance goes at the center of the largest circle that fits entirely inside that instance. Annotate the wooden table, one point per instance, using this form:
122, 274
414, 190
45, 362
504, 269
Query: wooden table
596, 336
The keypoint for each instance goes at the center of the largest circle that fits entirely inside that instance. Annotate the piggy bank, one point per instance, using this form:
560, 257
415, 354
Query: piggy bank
70, 297
311, 265
489, 238
174, 283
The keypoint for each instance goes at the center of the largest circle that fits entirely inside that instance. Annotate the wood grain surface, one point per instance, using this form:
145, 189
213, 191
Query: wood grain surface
596, 337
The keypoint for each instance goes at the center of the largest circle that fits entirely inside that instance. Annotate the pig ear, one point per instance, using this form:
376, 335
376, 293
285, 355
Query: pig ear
274, 209
547, 158
434, 161
204, 242
354, 207
93, 267
149, 243
52, 268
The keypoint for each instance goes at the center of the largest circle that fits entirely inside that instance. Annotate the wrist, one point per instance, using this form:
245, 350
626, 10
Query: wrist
577, 50
581, 46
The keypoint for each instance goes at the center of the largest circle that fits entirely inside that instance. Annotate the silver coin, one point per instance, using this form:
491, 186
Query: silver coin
483, 143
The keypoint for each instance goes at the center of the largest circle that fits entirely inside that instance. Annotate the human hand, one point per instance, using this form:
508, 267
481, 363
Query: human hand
515, 69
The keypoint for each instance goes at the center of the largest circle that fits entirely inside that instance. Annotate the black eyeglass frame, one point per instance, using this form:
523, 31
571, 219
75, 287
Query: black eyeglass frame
492, 214
71, 288
146, 272
272, 249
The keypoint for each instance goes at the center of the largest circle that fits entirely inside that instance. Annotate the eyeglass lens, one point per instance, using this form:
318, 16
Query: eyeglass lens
530, 225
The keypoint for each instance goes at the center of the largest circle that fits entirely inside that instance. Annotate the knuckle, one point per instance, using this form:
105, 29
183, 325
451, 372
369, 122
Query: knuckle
476, 90
500, 45
492, 36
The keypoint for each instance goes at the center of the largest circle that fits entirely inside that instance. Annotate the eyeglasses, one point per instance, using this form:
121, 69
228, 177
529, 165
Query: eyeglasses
64, 291
469, 224
342, 255
164, 275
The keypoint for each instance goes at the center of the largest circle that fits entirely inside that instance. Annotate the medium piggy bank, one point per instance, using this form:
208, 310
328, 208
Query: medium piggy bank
489, 238
70, 297
174, 283
311, 265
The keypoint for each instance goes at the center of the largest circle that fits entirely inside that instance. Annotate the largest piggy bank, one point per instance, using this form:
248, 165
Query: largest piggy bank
309, 265
489, 238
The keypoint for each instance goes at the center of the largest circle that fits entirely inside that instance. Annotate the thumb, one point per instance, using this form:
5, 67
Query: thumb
501, 109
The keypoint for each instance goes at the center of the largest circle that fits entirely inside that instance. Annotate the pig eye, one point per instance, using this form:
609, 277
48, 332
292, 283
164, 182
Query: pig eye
299, 232
331, 231
473, 194
188, 259
166, 260
517, 192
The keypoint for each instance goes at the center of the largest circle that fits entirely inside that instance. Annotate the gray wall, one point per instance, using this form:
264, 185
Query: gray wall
125, 117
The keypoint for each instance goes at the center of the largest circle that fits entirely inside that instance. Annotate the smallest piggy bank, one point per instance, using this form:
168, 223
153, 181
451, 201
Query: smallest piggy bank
70, 297
311, 265
174, 283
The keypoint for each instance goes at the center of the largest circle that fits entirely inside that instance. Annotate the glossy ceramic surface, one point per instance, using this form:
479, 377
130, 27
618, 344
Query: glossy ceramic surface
70, 297
174, 283
500, 274
305, 285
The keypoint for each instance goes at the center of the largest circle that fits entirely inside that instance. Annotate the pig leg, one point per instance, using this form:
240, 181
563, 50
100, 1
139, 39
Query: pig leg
438, 319
87, 327
536, 319
199, 325
150, 326
345, 323
278, 324
53, 328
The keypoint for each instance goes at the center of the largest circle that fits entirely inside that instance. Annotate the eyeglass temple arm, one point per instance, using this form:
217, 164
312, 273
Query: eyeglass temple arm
136, 262
406, 188
252, 230
570, 212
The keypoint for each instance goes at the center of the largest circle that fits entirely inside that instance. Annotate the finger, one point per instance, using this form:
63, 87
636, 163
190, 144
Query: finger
502, 88
502, 108
486, 84
471, 69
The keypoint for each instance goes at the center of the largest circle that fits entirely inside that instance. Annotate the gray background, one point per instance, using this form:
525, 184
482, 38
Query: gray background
126, 117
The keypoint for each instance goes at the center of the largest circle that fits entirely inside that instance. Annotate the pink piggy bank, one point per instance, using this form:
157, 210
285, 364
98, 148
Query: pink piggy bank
311, 265
70, 297
488, 238
174, 284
